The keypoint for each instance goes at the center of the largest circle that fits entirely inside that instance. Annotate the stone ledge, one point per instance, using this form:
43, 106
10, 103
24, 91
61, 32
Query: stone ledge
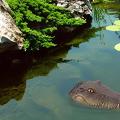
78, 8
9, 32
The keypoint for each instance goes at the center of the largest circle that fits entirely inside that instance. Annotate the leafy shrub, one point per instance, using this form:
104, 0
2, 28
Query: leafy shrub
38, 19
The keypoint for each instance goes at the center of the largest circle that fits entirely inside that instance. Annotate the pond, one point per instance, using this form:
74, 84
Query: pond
39, 91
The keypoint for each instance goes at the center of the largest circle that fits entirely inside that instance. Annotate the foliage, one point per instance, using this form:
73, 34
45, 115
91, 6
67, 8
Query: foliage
99, 14
101, 9
115, 27
100, 1
117, 22
117, 47
38, 19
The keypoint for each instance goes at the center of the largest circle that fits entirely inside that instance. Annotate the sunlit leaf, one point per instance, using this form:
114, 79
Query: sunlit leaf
117, 22
113, 28
117, 47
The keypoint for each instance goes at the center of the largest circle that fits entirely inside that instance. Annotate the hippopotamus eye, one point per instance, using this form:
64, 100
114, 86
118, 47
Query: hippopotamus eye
91, 90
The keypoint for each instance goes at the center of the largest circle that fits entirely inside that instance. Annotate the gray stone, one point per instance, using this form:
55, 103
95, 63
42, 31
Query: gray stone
9, 32
76, 7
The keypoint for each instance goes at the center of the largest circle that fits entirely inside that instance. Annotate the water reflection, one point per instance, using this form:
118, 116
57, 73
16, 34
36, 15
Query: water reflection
101, 10
12, 83
11, 92
40, 82
17, 67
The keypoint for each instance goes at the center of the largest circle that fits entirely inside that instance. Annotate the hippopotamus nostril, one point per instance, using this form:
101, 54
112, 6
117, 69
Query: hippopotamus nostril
81, 89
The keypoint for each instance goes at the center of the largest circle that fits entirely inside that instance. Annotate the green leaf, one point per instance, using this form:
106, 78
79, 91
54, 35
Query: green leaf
113, 28
117, 47
117, 22
39, 19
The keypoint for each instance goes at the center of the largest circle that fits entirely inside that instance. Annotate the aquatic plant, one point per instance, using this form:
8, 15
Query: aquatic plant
117, 47
114, 27
100, 1
99, 14
39, 19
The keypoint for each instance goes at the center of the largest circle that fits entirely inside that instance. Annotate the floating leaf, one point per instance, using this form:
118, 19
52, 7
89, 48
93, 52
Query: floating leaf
113, 28
117, 47
117, 22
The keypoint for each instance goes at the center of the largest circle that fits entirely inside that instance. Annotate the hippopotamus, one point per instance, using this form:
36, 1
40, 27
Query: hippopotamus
95, 94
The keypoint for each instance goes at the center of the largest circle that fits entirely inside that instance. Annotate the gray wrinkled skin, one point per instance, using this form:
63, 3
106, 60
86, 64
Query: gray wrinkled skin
95, 94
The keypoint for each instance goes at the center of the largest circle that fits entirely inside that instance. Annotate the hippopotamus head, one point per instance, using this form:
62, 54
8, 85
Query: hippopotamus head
94, 93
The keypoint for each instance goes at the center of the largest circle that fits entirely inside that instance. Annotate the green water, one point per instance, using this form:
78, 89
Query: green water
39, 91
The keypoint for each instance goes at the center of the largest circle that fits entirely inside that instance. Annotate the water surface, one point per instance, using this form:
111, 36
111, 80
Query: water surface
39, 91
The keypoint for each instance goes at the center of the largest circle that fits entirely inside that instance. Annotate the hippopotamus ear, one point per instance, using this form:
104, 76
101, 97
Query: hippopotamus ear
98, 81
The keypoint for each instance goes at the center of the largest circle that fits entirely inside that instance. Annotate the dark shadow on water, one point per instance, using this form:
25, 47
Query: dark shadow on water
17, 66
65, 34
12, 83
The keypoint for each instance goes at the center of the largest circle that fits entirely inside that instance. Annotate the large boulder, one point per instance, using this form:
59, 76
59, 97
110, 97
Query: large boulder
10, 35
78, 8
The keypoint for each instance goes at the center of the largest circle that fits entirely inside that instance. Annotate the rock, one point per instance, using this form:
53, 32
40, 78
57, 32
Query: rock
4, 4
78, 8
9, 33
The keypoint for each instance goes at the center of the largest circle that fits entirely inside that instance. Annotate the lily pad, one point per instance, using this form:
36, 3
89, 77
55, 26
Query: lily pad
113, 28
117, 47
117, 22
